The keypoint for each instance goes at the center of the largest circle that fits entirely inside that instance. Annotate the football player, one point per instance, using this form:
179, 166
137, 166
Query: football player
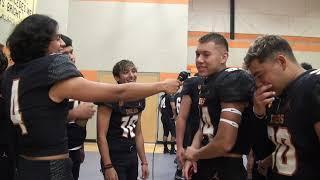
6, 148
288, 99
119, 131
188, 119
78, 116
36, 90
224, 102
168, 115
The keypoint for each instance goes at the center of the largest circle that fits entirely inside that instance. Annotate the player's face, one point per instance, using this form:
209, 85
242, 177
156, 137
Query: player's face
269, 72
69, 51
55, 44
210, 58
128, 75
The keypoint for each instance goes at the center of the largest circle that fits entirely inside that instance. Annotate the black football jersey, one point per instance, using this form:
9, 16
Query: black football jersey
2, 117
291, 120
165, 106
262, 146
229, 85
39, 122
191, 88
177, 101
76, 133
4, 124
123, 120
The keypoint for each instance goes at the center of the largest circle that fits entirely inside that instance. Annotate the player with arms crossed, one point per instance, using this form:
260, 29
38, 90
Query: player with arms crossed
36, 90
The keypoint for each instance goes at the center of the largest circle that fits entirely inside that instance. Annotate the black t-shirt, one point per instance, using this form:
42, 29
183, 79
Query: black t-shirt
229, 85
165, 106
123, 121
25, 89
291, 121
191, 88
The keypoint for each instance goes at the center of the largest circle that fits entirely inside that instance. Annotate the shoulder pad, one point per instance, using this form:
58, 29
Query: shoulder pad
190, 84
234, 85
140, 104
61, 68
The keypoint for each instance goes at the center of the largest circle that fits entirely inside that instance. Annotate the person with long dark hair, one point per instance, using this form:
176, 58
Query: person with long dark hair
36, 90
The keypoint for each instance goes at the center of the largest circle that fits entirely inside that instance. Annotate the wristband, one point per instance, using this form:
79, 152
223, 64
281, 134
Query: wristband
144, 163
259, 116
107, 166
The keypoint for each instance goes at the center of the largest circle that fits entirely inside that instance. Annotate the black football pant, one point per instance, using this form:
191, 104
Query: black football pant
220, 169
7, 167
76, 162
125, 164
168, 126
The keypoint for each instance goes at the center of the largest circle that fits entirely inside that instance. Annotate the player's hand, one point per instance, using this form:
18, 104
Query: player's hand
85, 110
171, 86
110, 174
263, 97
145, 171
263, 165
190, 154
262, 168
174, 117
189, 168
180, 156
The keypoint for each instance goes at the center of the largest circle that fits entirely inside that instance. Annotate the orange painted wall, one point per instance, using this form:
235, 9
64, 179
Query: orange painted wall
298, 43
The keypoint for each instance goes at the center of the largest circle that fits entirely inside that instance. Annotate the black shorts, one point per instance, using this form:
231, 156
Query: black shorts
168, 126
220, 168
44, 170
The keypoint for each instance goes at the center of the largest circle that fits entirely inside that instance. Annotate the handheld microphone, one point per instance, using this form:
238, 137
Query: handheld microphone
183, 75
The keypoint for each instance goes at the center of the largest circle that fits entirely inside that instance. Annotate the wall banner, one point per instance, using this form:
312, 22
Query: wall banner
16, 10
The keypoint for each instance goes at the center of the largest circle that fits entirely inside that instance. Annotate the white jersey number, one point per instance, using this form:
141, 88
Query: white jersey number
207, 127
163, 103
128, 125
15, 113
178, 104
284, 157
